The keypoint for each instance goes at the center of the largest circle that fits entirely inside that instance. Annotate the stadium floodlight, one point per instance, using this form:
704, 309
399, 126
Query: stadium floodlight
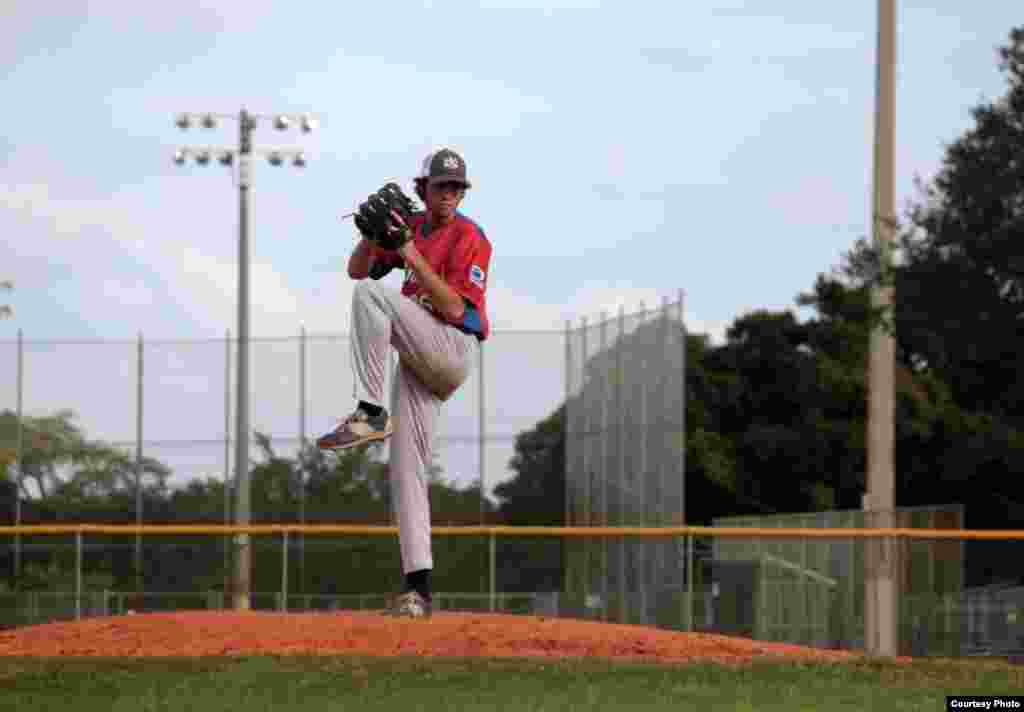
242, 156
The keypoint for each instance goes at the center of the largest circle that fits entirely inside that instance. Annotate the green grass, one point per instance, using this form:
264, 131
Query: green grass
304, 684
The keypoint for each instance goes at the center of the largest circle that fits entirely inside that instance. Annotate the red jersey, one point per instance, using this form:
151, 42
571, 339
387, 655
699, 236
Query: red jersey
460, 254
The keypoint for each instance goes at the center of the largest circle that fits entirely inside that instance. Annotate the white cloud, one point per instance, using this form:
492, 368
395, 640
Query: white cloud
128, 294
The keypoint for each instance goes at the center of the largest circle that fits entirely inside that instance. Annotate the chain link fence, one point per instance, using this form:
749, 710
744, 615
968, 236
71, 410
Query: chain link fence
164, 412
625, 466
769, 586
169, 407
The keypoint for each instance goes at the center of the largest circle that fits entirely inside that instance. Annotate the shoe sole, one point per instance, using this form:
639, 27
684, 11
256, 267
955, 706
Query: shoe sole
361, 441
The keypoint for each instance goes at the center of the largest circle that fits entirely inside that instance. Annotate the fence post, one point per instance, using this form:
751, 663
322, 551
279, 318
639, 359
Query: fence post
620, 436
682, 416
808, 619
567, 425
494, 571
663, 546
78, 574
301, 585
227, 462
762, 623
283, 606
586, 504
689, 582
138, 467
18, 459
640, 482
570, 467
603, 469
482, 432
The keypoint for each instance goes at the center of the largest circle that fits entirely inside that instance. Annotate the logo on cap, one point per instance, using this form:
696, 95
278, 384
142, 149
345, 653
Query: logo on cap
451, 163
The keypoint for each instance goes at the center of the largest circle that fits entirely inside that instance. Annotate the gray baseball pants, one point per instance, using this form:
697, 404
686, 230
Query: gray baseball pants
430, 352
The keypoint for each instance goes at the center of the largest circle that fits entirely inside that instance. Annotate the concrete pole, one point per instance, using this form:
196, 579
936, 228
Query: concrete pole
242, 484
880, 600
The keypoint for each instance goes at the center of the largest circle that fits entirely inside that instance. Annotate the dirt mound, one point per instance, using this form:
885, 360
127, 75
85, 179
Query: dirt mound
205, 633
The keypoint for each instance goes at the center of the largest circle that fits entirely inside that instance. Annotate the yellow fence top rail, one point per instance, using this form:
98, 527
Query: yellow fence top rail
362, 529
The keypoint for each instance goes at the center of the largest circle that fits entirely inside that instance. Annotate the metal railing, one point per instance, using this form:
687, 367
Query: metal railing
781, 599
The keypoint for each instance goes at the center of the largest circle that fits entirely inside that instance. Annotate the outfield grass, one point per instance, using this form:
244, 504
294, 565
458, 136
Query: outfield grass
304, 684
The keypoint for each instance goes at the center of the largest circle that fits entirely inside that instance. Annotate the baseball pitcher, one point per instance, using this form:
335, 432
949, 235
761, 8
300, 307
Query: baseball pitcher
435, 323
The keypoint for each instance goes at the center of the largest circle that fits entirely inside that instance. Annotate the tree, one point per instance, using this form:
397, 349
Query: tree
59, 463
960, 293
536, 495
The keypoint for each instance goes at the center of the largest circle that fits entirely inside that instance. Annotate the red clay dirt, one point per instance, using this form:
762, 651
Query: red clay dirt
217, 633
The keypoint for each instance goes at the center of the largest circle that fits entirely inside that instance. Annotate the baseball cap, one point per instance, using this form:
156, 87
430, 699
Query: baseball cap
444, 166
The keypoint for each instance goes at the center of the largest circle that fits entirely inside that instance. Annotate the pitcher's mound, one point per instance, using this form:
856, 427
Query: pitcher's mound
205, 633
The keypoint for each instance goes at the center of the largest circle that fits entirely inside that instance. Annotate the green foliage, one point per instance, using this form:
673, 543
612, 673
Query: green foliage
776, 416
536, 496
62, 466
960, 290
58, 575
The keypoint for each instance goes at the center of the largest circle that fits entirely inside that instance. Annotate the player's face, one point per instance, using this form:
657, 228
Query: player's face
443, 200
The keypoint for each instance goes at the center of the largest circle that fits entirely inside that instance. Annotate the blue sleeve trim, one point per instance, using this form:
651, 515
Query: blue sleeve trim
471, 319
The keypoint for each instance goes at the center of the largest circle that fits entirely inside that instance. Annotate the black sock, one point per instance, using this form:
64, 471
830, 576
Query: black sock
419, 581
370, 409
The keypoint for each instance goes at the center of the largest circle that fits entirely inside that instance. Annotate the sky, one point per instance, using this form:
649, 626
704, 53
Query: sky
622, 153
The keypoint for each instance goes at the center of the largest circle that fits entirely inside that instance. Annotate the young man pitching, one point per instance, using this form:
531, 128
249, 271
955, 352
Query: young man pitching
435, 323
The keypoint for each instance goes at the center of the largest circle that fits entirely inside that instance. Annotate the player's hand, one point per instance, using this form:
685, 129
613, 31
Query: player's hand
400, 230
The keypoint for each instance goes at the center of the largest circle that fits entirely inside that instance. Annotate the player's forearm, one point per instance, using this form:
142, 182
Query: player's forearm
361, 260
445, 299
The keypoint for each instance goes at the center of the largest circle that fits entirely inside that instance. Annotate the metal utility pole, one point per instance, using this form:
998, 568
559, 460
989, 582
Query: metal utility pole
243, 552
247, 122
880, 600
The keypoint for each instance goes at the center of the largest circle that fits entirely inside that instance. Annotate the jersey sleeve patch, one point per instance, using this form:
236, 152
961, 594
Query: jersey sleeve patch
477, 276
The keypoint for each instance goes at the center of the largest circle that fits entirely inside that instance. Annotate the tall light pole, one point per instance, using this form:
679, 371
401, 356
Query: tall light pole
880, 599
227, 157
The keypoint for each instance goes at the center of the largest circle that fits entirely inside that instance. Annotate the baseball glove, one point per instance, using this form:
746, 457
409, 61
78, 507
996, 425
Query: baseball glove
374, 219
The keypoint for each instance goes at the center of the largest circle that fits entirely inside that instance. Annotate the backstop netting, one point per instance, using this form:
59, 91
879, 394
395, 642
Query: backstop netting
625, 464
